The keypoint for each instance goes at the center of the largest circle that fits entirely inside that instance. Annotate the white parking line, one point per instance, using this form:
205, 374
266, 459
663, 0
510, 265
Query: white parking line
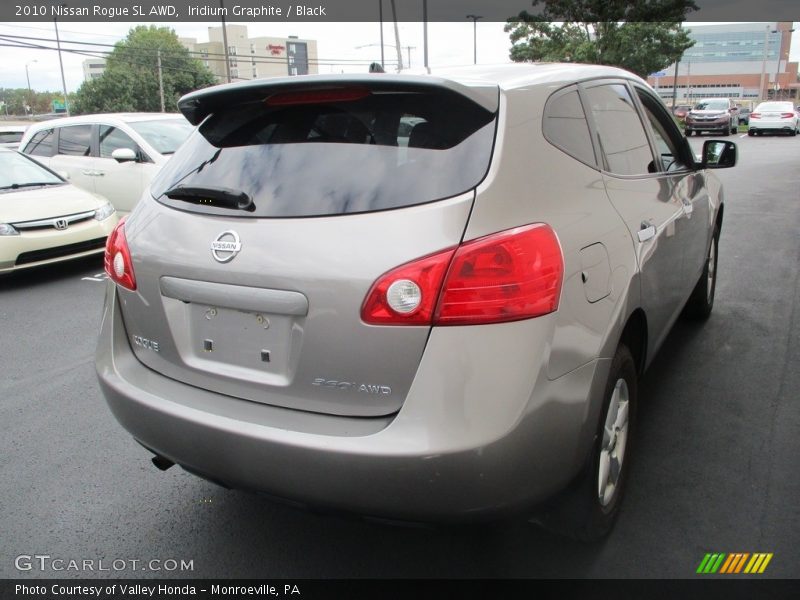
743, 135
99, 277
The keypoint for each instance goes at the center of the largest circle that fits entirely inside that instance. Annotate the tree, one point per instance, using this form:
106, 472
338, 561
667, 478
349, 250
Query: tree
642, 37
130, 80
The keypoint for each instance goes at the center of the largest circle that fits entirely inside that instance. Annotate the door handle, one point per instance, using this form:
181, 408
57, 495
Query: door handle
89, 173
688, 208
647, 231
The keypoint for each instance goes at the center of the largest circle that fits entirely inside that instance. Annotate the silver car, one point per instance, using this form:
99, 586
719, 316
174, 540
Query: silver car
444, 329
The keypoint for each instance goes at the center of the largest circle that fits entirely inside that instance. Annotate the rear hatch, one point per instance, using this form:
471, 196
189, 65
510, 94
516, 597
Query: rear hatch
266, 230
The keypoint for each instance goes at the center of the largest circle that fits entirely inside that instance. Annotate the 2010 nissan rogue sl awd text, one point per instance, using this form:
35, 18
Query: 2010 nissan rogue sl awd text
422, 297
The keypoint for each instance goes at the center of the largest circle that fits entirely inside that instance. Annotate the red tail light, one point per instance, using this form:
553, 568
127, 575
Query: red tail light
755, 115
787, 115
508, 276
117, 260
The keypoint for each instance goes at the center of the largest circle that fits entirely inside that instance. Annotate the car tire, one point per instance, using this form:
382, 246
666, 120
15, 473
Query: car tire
793, 132
750, 132
588, 509
701, 302
688, 133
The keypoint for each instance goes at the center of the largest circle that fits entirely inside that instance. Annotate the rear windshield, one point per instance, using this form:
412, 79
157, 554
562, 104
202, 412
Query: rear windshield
301, 154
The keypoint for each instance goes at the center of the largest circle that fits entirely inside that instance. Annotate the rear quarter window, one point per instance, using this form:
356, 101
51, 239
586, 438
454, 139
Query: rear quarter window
41, 144
566, 128
379, 151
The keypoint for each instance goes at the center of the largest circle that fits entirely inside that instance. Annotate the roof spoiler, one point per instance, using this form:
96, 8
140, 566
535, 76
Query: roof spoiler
196, 106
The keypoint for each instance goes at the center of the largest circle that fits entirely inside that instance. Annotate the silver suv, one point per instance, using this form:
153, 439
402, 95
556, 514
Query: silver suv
447, 323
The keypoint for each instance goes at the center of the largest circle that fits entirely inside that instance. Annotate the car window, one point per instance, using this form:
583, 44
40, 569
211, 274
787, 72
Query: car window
111, 138
9, 137
566, 128
290, 156
165, 135
18, 171
75, 140
620, 132
41, 143
665, 135
712, 105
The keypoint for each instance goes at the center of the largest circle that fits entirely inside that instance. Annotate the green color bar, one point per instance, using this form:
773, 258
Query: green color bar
718, 564
703, 563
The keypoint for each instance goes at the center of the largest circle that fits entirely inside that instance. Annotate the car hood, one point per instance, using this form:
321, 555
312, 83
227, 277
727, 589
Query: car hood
708, 113
45, 203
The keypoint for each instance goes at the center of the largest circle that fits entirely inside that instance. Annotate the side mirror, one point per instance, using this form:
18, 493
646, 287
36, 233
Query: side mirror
122, 155
718, 154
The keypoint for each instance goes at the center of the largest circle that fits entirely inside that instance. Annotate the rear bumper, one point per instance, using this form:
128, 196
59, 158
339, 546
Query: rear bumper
772, 125
459, 448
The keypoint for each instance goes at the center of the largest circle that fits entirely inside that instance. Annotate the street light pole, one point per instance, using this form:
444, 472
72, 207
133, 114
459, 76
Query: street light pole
778, 65
61, 64
30, 93
764, 65
474, 37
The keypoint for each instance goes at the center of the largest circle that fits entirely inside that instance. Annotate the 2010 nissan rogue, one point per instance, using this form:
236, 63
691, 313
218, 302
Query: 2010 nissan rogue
423, 297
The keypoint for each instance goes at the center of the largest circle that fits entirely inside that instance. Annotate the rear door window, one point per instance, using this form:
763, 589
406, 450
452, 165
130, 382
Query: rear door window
75, 140
307, 153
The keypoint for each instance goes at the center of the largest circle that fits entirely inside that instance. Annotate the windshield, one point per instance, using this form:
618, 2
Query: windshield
296, 158
165, 135
10, 137
18, 171
712, 105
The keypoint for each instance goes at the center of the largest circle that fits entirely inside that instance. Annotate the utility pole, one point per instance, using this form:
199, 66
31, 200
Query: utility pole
397, 38
675, 84
61, 64
474, 37
225, 41
780, 49
30, 93
425, 30
160, 82
380, 18
409, 49
764, 65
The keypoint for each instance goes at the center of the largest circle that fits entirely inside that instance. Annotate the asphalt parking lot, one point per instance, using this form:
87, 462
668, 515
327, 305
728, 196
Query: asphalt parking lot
717, 467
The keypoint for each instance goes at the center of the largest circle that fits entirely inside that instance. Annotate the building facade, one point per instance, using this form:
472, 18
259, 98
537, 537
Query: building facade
746, 62
93, 68
253, 58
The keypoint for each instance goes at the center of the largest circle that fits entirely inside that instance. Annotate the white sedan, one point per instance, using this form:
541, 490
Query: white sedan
44, 219
776, 117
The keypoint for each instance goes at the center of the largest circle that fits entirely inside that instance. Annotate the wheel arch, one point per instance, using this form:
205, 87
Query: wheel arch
634, 336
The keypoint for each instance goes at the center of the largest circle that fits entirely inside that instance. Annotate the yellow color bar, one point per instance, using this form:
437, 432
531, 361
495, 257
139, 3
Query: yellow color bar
755, 563
765, 563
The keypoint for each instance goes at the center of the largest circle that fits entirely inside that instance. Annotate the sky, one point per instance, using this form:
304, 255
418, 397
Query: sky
449, 44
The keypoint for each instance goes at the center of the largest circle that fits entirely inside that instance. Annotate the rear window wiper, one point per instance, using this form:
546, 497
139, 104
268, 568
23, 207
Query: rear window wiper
212, 196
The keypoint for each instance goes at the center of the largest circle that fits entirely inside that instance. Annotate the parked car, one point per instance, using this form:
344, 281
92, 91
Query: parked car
681, 110
718, 115
44, 219
303, 307
10, 135
115, 155
744, 116
776, 117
